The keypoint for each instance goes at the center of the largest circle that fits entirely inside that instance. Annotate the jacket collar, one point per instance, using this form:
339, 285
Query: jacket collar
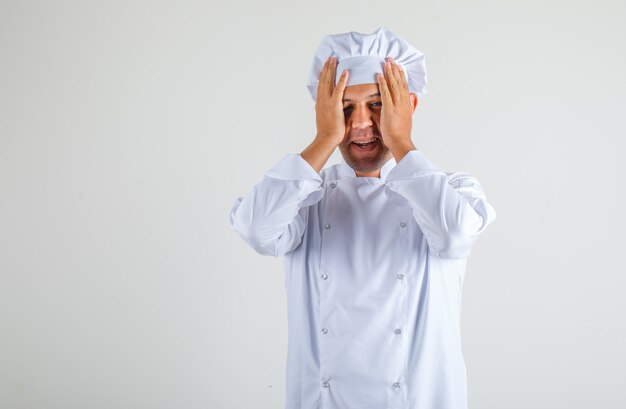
346, 171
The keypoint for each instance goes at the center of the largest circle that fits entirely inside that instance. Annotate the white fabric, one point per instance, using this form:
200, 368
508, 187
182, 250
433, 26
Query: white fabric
373, 275
364, 56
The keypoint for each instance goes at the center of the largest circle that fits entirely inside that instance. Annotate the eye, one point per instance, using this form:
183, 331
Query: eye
375, 104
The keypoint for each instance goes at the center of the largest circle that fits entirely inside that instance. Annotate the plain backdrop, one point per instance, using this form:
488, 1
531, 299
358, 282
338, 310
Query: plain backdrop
128, 129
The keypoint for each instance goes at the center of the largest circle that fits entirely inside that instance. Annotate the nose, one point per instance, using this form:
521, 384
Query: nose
361, 118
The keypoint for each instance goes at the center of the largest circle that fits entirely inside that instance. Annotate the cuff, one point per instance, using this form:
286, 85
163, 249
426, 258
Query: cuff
413, 164
293, 167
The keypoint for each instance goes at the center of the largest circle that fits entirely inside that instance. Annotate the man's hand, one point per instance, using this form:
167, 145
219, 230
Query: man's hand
331, 127
330, 119
397, 111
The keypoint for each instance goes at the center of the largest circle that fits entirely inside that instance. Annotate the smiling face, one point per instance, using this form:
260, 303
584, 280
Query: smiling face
361, 106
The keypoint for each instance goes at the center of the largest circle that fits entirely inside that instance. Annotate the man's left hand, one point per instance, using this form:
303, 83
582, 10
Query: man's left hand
397, 111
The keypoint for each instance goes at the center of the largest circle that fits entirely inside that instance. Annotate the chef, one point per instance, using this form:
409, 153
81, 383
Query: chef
374, 247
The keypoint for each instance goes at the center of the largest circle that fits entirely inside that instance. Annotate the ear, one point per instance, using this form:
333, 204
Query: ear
414, 100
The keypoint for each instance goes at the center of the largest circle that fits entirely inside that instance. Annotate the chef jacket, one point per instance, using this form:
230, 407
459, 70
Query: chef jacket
374, 269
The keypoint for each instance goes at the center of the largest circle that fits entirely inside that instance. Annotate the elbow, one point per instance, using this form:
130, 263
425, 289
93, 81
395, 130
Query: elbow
261, 237
265, 249
458, 243
250, 231
455, 248
261, 243
253, 235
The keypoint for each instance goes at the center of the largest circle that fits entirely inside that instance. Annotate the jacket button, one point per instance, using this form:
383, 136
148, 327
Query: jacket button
396, 385
400, 276
333, 184
398, 331
403, 225
324, 330
327, 226
325, 384
324, 276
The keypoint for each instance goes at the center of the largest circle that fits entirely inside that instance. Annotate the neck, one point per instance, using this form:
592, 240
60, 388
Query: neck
374, 174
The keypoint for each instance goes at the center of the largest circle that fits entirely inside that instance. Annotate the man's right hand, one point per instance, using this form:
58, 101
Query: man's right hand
330, 119
328, 105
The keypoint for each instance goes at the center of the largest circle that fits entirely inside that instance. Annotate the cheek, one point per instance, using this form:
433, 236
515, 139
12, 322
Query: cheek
376, 120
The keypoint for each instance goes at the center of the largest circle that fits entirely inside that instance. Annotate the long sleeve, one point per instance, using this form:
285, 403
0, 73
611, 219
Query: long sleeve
451, 209
272, 217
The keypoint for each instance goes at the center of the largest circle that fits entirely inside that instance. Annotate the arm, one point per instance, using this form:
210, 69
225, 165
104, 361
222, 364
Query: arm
451, 210
272, 217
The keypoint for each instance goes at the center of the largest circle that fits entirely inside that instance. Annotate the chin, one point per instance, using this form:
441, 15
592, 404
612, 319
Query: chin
368, 163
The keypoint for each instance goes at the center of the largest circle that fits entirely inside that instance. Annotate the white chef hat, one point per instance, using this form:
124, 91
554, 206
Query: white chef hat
364, 56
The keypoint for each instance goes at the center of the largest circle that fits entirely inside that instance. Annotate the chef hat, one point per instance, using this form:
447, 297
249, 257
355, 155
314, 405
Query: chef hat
364, 56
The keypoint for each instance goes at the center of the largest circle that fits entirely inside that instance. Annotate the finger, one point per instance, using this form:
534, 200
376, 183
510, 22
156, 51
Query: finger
403, 89
401, 95
403, 81
391, 82
332, 68
384, 90
341, 85
321, 86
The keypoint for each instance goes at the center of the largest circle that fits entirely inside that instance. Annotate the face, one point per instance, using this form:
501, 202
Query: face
361, 107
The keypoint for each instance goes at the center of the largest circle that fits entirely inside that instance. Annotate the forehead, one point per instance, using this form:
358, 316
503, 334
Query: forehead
360, 92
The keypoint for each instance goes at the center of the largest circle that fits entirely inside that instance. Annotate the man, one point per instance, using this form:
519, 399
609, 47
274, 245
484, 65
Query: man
375, 247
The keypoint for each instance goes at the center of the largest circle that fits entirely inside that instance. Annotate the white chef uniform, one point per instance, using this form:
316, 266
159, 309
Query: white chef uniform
373, 275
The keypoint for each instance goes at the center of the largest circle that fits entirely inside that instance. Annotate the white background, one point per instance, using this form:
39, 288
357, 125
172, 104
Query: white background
128, 128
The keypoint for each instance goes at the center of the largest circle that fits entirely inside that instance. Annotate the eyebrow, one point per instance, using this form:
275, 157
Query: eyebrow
373, 95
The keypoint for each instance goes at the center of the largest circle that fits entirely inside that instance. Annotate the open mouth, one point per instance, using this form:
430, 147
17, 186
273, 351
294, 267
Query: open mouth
366, 146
